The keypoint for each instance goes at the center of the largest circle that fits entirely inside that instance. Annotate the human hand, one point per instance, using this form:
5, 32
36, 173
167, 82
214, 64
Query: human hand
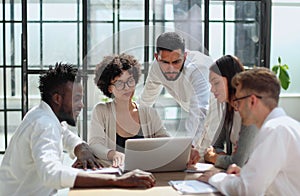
136, 178
234, 169
85, 157
206, 175
118, 159
210, 155
194, 157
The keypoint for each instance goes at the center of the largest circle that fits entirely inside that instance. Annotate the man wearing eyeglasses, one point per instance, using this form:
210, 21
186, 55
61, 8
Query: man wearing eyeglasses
184, 74
273, 166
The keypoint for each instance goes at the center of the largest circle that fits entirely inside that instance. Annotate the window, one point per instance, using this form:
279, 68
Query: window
285, 40
82, 32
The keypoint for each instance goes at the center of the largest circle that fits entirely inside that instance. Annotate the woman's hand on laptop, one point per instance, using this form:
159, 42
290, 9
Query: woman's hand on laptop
116, 157
136, 178
194, 157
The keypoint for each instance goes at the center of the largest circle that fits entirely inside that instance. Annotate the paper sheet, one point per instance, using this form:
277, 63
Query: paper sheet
192, 187
199, 168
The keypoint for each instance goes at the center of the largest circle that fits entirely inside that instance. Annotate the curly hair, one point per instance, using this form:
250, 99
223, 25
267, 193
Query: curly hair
54, 79
113, 66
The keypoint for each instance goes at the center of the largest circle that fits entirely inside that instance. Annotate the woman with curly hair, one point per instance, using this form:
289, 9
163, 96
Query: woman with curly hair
114, 122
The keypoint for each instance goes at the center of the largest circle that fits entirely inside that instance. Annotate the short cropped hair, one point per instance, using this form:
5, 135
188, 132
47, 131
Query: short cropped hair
262, 82
170, 41
113, 66
54, 79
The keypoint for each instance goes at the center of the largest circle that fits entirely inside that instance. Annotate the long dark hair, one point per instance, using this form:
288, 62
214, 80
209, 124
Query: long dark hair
227, 66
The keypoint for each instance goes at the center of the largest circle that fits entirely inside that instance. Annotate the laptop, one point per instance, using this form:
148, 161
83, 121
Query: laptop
157, 154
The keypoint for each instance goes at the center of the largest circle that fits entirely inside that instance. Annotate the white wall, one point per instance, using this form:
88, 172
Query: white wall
291, 105
285, 43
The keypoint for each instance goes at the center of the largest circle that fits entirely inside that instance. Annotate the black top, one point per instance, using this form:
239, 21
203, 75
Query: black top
121, 140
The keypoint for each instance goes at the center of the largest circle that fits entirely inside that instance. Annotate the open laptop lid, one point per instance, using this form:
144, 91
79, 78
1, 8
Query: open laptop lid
157, 154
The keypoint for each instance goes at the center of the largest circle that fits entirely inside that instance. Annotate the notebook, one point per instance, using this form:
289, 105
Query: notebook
157, 154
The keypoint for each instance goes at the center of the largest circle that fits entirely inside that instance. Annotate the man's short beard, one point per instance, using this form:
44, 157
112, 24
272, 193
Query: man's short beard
63, 116
71, 122
171, 79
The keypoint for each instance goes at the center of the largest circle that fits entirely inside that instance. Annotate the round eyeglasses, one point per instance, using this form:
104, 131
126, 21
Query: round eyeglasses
120, 85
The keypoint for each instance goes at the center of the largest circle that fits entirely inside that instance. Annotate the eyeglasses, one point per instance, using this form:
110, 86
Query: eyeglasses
236, 100
120, 85
244, 97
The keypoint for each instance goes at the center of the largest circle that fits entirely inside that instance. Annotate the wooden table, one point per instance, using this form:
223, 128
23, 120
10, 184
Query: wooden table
162, 188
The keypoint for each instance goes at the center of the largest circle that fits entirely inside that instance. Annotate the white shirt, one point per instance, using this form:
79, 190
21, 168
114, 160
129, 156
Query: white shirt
32, 163
190, 90
273, 167
212, 125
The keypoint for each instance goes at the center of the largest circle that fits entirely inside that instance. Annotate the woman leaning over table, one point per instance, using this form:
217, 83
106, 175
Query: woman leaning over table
237, 138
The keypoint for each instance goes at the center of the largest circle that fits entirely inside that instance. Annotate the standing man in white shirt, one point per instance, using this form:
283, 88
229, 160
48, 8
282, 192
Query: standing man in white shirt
32, 164
273, 166
184, 74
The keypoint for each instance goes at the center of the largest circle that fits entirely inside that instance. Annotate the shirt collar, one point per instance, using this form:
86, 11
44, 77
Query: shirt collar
275, 113
45, 107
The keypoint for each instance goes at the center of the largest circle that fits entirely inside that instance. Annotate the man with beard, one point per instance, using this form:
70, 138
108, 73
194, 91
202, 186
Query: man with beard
184, 74
32, 164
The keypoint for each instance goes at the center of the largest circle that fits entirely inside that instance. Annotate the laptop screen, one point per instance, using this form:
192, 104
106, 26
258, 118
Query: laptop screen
157, 154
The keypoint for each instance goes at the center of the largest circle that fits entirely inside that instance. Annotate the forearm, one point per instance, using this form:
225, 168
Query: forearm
95, 180
99, 132
100, 150
223, 161
238, 157
195, 123
70, 141
135, 178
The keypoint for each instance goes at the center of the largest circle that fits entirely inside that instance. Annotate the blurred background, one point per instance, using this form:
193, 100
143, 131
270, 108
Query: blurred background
35, 34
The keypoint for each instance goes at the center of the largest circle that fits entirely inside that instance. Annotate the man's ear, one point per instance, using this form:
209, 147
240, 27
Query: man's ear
253, 100
156, 56
184, 55
57, 99
109, 89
